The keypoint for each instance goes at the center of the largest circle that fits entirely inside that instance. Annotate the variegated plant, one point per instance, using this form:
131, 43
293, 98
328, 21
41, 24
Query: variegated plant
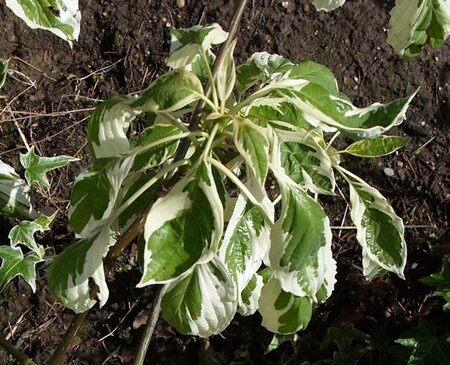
413, 23
215, 239
20, 257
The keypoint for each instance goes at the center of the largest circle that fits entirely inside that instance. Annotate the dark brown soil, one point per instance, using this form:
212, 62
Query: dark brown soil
122, 48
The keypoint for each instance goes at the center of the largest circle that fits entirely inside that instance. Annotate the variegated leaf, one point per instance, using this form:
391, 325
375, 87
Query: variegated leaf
155, 156
252, 144
338, 112
70, 274
300, 254
300, 251
261, 67
61, 17
14, 263
416, 22
379, 230
245, 244
14, 194
171, 92
183, 228
36, 167
226, 76
95, 196
23, 233
202, 303
108, 125
249, 298
306, 162
376, 147
283, 312
327, 5
186, 44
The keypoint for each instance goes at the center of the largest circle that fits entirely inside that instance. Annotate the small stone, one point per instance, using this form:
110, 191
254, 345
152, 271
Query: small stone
388, 171
399, 163
180, 4
414, 265
285, 4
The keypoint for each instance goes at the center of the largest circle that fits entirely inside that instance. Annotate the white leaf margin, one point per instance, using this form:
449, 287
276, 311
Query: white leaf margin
69, 14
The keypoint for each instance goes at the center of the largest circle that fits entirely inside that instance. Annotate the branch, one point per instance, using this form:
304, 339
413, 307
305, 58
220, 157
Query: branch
15, 352
149, 329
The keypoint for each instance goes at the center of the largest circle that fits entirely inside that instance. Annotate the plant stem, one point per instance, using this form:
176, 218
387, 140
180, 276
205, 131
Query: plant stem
60, 353
16, 353
149, 329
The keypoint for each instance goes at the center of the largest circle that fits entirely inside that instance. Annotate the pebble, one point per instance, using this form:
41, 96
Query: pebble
181, 4
388, 171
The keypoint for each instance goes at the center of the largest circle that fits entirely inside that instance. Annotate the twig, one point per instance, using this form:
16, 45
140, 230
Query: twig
59, 355
16, 353
149, 329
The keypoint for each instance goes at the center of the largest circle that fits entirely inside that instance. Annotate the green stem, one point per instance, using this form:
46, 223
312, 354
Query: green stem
15, 352
211, 78
146, 186
240, 185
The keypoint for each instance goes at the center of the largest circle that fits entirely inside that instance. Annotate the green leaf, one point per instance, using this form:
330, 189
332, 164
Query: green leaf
94, 197
376, 147
14, 194
36, 167
226, 76
380, 231
414, 23
278, 340
441, 281
327, 5
245, 244
253, 145
428, 347
108, 126
70, 274
61, 17
23, 233
306, 162
344, 337
3, 71
202, 303
182, 227
186, 44
14, 263
171, 92
283, 312
155, 156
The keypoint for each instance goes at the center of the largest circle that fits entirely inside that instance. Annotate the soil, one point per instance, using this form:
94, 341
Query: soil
121, 49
